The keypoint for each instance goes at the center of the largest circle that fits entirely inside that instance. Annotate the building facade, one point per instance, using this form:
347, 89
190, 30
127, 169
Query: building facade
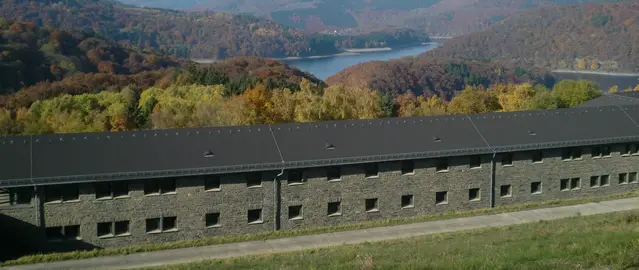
78, 191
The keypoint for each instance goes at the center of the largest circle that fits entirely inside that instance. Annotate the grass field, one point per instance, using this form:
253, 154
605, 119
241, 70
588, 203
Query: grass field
609, 241
76, 255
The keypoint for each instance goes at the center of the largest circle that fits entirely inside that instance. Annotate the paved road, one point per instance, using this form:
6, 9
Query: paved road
333, 239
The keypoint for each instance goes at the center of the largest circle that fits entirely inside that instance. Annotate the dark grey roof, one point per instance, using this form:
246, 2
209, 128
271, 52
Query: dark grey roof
609, 100
59, 158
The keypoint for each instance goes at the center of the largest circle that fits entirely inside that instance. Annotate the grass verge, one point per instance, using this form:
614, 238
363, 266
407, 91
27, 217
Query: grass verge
75, 255
607, 241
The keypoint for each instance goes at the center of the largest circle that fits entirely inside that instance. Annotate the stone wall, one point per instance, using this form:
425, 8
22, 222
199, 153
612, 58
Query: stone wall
395, 191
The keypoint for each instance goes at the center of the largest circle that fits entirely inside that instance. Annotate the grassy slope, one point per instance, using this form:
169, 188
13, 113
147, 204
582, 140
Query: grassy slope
609, 241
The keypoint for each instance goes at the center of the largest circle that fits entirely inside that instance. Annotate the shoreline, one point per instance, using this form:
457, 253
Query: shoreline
604, 73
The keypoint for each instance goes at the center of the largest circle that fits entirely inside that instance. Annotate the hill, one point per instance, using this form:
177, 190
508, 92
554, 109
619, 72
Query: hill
191, 35
432, 75
601, 37
31, 54
437, 17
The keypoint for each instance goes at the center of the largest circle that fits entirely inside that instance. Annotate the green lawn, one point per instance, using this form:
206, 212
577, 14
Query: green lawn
609, 241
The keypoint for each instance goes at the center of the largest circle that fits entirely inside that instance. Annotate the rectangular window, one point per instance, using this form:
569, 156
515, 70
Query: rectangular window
105, 229
474, 194
563, 184
632, 177
407, 201
111, 190
294, 177
442, 165
535, 188
212, 220
605, 180
576, 153
212, 183
507, 159
605, 151
566, 154
254, 216
16, 196
253, 179
594, 181
295, 212
595, 152
441, 197
69, 232
627, 150
505, 191
162, 224
122, 228
575, 183
62, 193
475, 162
408, 167
623, 178
159, 186
333, 174
371, 170
371, 205
334, 209
537, 157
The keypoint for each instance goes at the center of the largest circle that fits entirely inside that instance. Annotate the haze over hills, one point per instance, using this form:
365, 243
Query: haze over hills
436, 17
594, 37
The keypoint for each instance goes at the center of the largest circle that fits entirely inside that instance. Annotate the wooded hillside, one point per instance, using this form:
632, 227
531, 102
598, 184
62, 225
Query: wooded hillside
596, 37
30, 54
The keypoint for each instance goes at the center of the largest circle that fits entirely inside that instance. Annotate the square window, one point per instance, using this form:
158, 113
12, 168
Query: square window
595, 152
334, 208
212, 183
294, 177
507, 159
169, 223
333, 173
153, 225
371, 205
72, 232
253, 179
566, 154
535, 188
605, 180
632, 177
563, 184
594, 181
408, 167
371, 170
102, 190
475, 161
537, 157
576, 153
105, 229
605, 151
151, 187
575, 183
295, 212
167, 185
122, 228
474, 194
255, 216
212, 219
120, 188
441, 197
505, 191
407, 201
442, 165
22, 195
54, 233
623, 178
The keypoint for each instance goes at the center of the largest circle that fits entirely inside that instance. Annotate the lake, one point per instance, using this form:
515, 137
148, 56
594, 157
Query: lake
323, 68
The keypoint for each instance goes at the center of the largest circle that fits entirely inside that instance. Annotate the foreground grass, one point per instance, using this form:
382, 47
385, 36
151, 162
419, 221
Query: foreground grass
608, 241
40, 258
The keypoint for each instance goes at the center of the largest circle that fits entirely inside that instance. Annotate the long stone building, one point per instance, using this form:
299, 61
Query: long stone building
76, 191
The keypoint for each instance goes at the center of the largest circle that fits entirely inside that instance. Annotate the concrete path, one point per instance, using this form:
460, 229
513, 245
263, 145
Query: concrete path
186, 255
